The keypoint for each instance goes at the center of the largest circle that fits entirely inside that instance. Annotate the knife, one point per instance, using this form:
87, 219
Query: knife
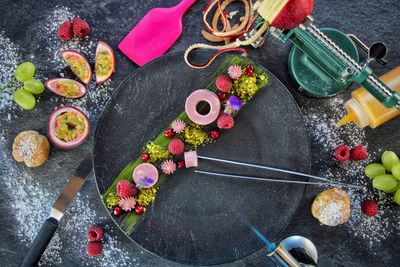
49, 227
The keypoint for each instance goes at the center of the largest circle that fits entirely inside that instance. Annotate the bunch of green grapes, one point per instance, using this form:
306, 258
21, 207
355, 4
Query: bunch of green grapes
24, 96
386, 176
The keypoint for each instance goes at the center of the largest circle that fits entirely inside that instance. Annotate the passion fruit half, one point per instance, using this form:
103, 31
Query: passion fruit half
67, 88
68, 127
78, 64
104, 65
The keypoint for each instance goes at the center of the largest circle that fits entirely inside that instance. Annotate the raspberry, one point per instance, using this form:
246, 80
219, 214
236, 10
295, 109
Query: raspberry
80, 27
95, 233
369, 208
176, 146
65, 31
94, 249
342, 153
126, 189
225, 121
223, 83
358, 153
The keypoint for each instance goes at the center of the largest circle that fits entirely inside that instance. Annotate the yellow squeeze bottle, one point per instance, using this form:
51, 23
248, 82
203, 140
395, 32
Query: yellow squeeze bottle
365, 110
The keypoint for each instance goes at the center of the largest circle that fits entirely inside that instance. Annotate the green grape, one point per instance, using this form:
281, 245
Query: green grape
397, 197
374, 169
24, 99
385, 183
34, 86
389, 158
396, 170
25, 71
395, 189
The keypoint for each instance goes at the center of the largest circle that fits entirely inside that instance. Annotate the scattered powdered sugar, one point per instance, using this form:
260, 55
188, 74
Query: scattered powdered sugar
327, 137
9, 58
31, 199
32, 203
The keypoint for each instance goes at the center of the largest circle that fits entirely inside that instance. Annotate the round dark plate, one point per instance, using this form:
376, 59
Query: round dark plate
199, 219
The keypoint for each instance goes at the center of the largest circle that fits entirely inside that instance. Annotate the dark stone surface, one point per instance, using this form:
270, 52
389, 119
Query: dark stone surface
111, 20
198, 219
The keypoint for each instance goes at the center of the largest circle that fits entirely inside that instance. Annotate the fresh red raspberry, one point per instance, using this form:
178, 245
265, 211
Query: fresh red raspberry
225, 121
80, 27
223, 83
94, 249
176, 146
342, 153
358, 153
369, 207
95, 233
126, 189
65, 31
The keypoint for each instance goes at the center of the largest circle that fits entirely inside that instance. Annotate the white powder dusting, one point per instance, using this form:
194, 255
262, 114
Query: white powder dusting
327, 137
9, 58
31, 200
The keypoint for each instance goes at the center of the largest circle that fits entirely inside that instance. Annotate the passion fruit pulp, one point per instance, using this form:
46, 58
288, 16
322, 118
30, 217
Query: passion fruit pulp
104, 62
78, 64
68, 127
66, 87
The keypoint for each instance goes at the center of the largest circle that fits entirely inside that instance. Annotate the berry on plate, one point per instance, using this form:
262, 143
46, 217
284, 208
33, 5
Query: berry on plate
126, 189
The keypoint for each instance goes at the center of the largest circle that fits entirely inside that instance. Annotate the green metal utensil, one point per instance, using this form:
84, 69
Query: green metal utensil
328, 63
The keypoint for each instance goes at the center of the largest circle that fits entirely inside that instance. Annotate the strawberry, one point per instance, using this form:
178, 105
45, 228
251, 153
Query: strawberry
369, 207
94, 249
342, 153
126, 189
80, 27
65, 31
358, 153
95, 233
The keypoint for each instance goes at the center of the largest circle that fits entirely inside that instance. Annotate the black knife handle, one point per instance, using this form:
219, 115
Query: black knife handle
40, 243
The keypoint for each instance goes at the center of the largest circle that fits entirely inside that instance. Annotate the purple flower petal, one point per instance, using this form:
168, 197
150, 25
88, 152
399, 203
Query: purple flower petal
235, 102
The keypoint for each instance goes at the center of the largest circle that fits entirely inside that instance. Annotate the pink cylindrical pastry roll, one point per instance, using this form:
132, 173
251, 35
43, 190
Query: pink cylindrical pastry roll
145, 175
202, 95
191, 159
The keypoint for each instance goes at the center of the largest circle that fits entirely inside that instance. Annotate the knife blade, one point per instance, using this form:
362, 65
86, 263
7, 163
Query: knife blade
60, 206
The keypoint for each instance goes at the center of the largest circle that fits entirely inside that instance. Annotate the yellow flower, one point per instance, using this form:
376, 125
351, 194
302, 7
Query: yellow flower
157, 152
196, 136
146, 196
246, 87
112, 200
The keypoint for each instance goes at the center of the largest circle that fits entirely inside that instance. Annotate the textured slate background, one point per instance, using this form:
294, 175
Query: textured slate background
111, 20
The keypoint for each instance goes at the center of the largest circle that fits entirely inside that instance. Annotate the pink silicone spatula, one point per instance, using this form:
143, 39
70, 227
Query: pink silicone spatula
155, 33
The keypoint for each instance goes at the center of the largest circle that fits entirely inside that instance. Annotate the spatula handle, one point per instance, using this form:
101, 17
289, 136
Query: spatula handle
184, 5
40, 243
